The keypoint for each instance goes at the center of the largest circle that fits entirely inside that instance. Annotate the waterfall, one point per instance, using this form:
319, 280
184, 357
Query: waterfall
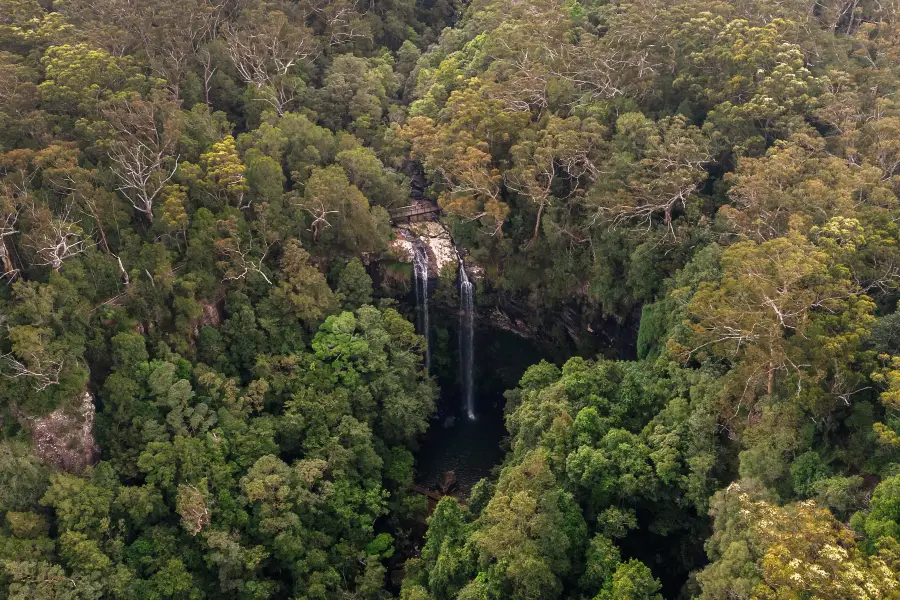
466, 338
420, 277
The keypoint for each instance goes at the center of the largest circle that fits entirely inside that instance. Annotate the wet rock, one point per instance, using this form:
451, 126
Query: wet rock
448, 482
65, 438
501, 320
440, 247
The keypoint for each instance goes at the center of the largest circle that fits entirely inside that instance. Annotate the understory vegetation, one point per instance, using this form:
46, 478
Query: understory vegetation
210, 386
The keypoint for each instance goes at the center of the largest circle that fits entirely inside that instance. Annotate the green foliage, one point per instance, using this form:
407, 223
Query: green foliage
765, 551
631, 580
24, 478
807, 470
194, 205
354, 285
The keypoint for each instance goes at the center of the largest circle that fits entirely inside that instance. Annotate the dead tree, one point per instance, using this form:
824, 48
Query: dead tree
142, 154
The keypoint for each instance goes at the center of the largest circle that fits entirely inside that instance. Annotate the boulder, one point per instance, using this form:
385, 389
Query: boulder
448, 482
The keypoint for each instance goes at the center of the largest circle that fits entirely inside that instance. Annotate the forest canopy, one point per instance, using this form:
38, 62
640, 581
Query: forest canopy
210, 380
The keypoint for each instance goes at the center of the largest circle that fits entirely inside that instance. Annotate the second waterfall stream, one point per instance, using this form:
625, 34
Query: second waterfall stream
467, 339
420, 276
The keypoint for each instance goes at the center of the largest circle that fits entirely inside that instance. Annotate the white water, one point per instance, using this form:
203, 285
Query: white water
420, 276
466, 338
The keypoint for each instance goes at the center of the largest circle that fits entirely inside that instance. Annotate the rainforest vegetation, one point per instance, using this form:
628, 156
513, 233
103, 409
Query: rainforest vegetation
210, 381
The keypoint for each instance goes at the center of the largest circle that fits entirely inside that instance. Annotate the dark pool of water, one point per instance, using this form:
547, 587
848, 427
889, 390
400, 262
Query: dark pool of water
468, 448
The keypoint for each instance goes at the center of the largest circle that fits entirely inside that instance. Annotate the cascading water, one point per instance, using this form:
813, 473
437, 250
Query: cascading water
420, 276
467, 338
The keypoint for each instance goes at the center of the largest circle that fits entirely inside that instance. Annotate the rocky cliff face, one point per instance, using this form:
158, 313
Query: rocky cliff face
440, 246
65, 439
441, 251
401, 249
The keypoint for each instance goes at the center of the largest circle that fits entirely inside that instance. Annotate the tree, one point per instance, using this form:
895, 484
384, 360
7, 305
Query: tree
303, 292
354, 285
53, 238
348, 346
529, 529
45, 340
444, 566
887, 432
786, 187
565, 149
881, 523
664, 165
23, 476
223, 175
463, 151
79, 79
631, 580
265, 47
329, 199
141, 153
765, 551
767, 292
356, 93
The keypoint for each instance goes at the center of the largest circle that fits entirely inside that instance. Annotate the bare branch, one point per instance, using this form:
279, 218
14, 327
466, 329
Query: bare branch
141, 155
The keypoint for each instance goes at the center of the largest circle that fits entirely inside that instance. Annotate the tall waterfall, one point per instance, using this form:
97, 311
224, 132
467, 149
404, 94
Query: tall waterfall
467, 338
420, 276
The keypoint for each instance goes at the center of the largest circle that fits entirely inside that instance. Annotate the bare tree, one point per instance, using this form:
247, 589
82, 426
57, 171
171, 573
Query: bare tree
239, 257
191, 505
142, 153
76, 187
317, 210
32, 357
42, 374
206, 60
9, 216
180, 30
265, 47
669, 171
55, 238
339, 18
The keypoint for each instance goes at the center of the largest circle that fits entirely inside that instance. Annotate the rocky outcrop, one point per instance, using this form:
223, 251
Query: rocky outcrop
212, 314
438, 245
501, 320
448, 482
441, 250
401, 249
65, 438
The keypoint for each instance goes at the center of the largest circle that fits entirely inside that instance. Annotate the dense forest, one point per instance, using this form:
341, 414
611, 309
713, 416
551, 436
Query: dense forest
211, 383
